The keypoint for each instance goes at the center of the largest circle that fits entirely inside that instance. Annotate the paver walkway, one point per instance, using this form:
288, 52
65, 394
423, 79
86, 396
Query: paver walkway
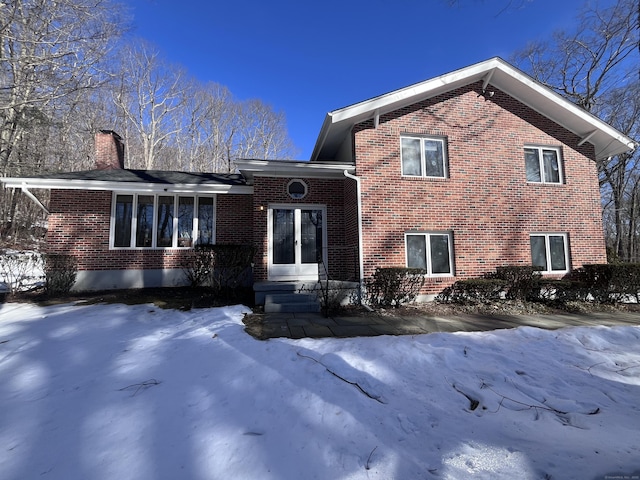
315, 325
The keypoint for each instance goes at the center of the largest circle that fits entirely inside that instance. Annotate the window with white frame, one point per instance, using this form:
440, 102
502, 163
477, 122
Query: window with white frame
423, 156
161, 221
431, 252
550, 252
543, 164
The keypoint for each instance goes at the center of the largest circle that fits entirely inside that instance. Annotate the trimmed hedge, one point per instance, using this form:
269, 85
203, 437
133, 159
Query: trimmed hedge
611, 283
473, 290
520, 281
219, 266
391, 287
602, 283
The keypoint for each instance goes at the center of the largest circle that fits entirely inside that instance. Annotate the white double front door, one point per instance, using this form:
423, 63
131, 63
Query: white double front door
297, 241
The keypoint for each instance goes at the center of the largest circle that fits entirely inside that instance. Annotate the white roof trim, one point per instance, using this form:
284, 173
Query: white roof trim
607, 140
274, 168
65, 184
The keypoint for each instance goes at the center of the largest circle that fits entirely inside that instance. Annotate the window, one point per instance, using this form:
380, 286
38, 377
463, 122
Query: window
423, 157
431, 252
162, 221
549, 251
297, 189
543, 164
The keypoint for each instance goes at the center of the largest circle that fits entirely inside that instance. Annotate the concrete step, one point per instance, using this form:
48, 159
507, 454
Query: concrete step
290, 298
296, 307
291, 302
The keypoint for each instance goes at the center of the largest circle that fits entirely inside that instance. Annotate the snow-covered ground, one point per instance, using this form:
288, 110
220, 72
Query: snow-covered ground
136, 392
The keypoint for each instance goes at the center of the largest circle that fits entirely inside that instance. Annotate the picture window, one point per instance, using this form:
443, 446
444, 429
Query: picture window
162, 221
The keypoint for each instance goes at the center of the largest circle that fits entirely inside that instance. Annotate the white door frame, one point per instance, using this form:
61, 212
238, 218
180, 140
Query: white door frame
297, 270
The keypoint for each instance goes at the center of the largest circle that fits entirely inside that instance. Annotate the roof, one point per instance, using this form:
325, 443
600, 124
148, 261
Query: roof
138, 180
251, 168
335, 134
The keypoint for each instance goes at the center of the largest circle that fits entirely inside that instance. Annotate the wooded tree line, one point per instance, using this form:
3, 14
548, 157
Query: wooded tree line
68, 68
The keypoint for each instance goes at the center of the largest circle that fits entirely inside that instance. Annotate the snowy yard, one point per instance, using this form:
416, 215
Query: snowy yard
136, 392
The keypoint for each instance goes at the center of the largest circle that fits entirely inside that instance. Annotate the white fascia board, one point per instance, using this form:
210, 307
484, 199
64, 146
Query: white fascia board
608, 142
588, 121
64, 184
266, 168
410, 94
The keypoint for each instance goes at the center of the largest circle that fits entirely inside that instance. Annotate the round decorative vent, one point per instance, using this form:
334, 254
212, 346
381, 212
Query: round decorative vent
297, 189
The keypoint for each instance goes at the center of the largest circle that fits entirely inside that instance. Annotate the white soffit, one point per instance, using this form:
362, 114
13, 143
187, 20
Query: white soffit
279, 168
607, 140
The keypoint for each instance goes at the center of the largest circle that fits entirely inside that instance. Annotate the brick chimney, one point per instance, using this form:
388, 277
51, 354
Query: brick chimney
109, 150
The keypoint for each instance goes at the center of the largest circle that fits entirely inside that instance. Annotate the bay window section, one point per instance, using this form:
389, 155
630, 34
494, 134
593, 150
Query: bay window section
122, 221
185, 221
162, 221
431, 252
165, 221
144, 223
205, 221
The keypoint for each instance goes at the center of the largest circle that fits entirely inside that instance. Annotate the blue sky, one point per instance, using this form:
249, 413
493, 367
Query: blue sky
306, 58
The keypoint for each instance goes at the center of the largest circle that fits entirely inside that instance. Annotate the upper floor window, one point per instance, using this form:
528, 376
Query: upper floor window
431, 252
423, 156
543, 164
549, 251
161, 221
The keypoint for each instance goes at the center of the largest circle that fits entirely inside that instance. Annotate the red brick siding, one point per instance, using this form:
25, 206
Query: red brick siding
351, 259
268, 190
234, 219
486, 201
79, 225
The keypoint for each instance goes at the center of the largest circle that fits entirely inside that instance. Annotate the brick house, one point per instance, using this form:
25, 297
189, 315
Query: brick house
459, 174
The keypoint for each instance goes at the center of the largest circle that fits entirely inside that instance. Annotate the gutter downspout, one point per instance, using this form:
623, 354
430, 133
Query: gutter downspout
360, 253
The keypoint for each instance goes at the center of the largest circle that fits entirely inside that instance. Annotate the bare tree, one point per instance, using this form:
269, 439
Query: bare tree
263, 133
151, 95
596, 66
50, 51
601, 54
51, 55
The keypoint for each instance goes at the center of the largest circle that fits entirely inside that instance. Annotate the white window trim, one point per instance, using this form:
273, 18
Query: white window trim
296, 196
540, 149
154, 241
429, 273
547, 251
445, 156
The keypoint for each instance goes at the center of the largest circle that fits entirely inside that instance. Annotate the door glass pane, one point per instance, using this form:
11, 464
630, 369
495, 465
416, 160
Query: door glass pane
123, 215
185, 221
411, 164
551, 168
434, 158
416, 252
311, 236
440, 254
144, 225
538, 252
205, 220
556, 249
165, 221
283, 236
532, 165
